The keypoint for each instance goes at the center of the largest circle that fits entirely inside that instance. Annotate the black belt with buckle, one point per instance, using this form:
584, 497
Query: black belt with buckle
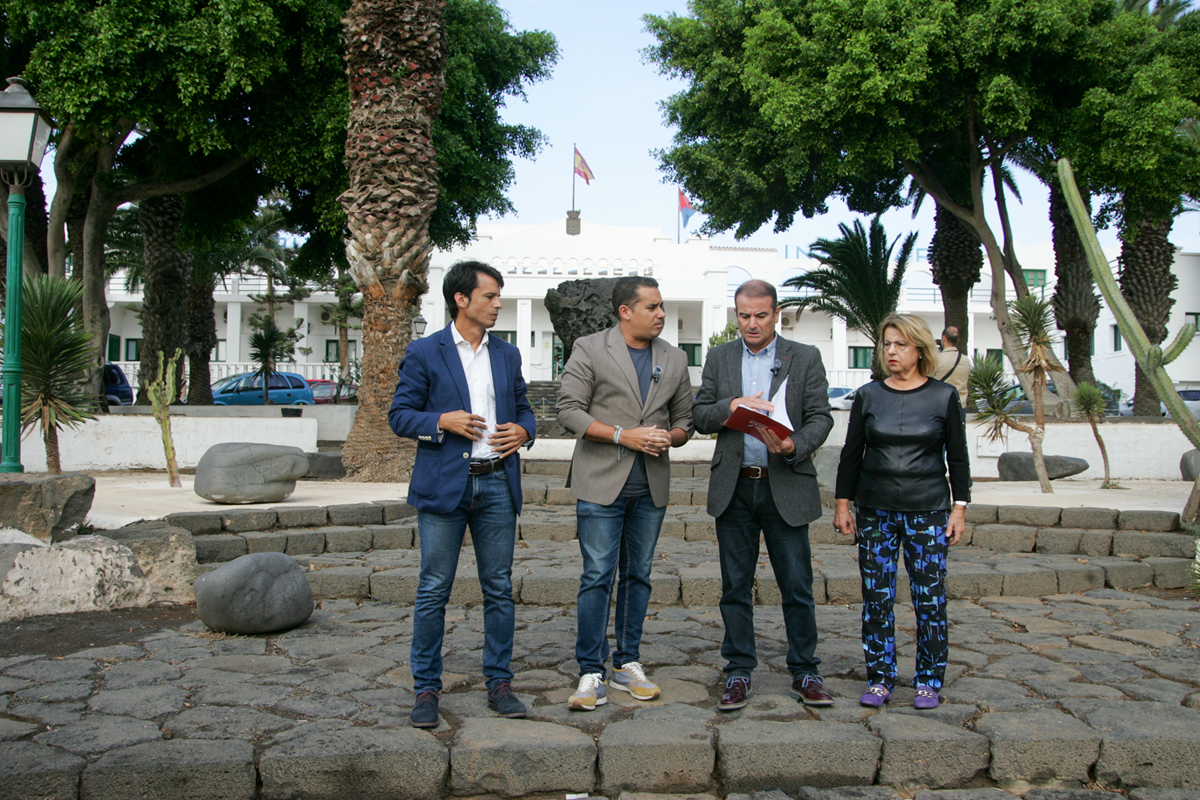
753, 472
485, 467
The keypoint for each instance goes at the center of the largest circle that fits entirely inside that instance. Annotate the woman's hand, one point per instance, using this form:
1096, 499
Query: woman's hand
843, 520
955, 527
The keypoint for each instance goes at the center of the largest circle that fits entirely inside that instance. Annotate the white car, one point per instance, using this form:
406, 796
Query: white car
841, 397
1191, 399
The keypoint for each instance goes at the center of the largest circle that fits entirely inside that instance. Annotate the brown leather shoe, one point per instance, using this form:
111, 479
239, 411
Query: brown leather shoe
737, 693
810, 690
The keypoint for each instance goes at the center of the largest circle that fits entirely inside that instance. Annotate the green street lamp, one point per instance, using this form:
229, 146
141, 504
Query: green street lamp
24, 133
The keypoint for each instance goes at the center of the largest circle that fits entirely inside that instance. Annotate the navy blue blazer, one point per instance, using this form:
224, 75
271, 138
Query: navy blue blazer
431, 383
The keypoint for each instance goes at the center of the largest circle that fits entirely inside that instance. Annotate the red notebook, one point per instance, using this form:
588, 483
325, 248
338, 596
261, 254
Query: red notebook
749, 421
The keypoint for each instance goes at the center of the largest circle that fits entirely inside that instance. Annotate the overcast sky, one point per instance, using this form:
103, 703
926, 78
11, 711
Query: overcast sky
603, 98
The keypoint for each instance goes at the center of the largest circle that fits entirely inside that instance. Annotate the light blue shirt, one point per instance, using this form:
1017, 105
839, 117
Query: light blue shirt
756, 377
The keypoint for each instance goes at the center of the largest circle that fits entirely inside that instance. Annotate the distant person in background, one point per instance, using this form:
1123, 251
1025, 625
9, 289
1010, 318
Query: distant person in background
953, 366
765, 487
903, 432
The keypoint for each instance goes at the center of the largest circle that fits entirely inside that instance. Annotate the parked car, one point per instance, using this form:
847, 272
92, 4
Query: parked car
1191, 399
323, 391
246, 389
841, 397
117, 391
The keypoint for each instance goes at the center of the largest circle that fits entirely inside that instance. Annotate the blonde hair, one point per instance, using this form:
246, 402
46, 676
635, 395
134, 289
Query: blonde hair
916, 331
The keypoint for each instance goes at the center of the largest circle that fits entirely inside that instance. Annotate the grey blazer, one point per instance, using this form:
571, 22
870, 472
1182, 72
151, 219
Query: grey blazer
794, 486
600, 383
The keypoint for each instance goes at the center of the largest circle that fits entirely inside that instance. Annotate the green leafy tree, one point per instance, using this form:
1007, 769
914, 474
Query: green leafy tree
399, 54
55, 352
728, 334
1091, 404
857, 281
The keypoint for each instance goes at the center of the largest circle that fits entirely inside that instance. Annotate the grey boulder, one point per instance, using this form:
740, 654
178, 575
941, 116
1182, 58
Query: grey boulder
244, 472
255, 593
325, 467
1189, 465
49, 507
1019, 467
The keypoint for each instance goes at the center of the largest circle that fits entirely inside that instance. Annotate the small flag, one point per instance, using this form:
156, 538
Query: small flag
685, 208
582, 169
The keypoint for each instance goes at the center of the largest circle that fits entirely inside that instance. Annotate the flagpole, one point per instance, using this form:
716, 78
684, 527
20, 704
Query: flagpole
574, 150
678, 214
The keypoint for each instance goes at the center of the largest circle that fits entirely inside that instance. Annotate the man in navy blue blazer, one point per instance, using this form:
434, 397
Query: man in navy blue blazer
462, 397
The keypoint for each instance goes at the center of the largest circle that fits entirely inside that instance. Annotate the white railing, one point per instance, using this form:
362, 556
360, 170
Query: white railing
848, 377
223, 369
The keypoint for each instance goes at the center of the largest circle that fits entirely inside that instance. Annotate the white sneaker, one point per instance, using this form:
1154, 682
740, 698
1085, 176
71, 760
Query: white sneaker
591, 693
632, 678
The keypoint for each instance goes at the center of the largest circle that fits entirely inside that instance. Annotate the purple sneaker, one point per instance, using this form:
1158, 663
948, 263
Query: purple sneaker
926, 698
875, 696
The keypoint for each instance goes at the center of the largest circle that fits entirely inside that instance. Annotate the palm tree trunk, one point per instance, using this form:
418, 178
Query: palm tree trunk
1147, 281
201, 338
395, 62
956, 260
1108, 484
1039, 432
50, 440
1076, 304
165, 294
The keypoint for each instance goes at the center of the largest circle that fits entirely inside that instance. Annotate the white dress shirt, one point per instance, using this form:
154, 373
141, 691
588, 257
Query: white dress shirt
477, 364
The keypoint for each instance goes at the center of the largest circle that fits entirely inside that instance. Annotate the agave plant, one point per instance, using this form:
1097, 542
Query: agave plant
1091, 404
56, 352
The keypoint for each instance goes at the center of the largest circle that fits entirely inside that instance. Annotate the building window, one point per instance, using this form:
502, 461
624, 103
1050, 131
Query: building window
693, 353
860, 357
1193, 318
218, 351
1035, 279
1118, 342
508, 336
114, 347
333, 353
132, 348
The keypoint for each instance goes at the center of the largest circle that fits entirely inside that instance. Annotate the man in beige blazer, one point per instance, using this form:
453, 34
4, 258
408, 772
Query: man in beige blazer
626, 397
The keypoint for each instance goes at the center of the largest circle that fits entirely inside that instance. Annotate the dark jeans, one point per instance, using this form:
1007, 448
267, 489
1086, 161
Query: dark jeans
616, 541
751, 510
487, 506
881, 535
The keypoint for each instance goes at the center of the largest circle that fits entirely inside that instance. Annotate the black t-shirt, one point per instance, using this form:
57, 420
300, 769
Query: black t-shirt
638, 485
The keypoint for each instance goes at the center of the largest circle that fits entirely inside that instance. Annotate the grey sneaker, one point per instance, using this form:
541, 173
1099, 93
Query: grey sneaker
591, 693
632, 678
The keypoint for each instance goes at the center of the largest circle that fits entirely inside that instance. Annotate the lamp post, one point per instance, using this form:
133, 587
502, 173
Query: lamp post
419, 326
24, 133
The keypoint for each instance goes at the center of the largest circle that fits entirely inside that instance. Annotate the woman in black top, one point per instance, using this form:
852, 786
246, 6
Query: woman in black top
903, 432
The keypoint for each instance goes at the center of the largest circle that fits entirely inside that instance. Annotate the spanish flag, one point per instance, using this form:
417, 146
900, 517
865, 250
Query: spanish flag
582, 169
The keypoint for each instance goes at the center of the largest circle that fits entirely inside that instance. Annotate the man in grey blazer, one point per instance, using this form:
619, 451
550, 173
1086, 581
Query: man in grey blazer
766, 486
627, 399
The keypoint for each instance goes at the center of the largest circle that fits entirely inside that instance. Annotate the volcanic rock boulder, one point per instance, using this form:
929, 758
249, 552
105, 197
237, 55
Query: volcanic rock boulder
1019, 467
255, 593
244, 472
578, 308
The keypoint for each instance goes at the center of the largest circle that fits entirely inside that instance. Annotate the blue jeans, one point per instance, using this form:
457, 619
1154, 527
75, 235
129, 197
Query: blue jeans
752, 509
487, 506
616, 541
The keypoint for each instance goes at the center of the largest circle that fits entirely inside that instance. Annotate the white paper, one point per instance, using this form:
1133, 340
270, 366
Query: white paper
779, 400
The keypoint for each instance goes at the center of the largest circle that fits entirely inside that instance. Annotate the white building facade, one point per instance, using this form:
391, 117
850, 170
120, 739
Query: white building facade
697, 280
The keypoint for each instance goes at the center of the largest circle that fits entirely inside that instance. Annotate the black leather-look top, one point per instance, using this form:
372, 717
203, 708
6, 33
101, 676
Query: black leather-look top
898, 446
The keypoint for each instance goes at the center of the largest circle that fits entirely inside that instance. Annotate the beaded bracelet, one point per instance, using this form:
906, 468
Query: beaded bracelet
617, 434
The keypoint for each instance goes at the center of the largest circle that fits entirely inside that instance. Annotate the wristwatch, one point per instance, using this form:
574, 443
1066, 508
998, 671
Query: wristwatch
962, 503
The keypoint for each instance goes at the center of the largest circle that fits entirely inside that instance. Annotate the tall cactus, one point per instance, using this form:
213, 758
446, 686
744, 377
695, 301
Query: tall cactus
1150, 357
161, 390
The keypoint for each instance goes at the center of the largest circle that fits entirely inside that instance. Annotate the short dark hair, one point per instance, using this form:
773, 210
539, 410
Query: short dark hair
950, 334
463, 278
757, 288
626, 291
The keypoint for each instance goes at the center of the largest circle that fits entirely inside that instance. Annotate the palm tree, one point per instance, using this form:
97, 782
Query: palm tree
1091, 404
956, 261
268, 346
168, 269
987, 385
395, 59
56, 351
855, 282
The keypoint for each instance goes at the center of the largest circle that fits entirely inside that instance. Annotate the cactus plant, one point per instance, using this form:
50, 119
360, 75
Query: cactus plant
1151, 358
161, 390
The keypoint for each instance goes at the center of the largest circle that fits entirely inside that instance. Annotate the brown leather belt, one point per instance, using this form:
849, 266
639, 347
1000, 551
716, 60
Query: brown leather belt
485, 467
753, 472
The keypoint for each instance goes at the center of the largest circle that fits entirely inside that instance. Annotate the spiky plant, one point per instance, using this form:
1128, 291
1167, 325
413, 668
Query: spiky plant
55, 353
1091, 404
268, 346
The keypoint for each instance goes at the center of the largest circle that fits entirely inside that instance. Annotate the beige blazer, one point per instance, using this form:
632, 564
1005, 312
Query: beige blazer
600, 383
956, 376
